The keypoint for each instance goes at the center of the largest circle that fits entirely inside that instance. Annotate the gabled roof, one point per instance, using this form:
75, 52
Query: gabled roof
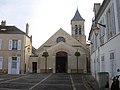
52, 40
33, 50
11, 30
77, 17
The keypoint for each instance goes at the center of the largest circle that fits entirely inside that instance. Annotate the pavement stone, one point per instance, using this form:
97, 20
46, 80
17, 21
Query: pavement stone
54, 82
91, 82
53, 87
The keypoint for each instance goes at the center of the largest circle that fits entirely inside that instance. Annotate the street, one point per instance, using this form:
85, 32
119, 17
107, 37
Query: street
60, 81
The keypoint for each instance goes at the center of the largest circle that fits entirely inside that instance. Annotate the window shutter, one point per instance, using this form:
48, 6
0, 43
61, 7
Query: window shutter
112, 64
19, 44
9, 65
113, 20
103, 64
0, 44
1, 62
103, 28
18, 65
10, 45
118, 12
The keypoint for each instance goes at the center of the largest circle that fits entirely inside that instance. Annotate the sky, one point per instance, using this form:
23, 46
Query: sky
45, 17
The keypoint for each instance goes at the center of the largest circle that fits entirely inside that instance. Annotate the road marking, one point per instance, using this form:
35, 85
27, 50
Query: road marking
40, 82
8, 89
84, 83
13, 79
1, 79
73, 85
56, 84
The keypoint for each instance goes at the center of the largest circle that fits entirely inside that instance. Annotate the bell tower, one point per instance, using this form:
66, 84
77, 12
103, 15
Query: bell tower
77, 28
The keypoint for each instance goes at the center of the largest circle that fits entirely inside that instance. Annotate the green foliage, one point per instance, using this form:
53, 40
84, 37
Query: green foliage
77, 54
45, 54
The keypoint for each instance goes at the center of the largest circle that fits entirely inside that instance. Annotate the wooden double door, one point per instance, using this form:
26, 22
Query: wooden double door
61, 62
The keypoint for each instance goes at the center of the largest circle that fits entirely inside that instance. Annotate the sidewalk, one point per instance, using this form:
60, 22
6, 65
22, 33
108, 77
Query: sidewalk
91, 82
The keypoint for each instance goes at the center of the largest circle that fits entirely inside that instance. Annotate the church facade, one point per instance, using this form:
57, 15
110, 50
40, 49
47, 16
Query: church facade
57, 54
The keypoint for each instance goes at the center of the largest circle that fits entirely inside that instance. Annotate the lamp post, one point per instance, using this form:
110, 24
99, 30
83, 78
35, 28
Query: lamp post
77, 54
45, 54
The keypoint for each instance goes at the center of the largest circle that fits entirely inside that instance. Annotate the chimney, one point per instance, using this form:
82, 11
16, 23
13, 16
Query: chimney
96, 8
31, 38
27, 28
3, 23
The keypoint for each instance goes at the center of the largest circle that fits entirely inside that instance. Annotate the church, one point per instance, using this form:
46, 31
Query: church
58, 53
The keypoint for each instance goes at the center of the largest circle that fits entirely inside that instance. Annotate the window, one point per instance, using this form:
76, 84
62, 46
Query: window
76, 29
14, 65
14, 45
60, 39
112, 64
0, 43
96, 42
102, 32
118, 12
14, 62
79, 29
110, 19
111, 55
102, 64
92, 44
1, 62
98, 65
108, 24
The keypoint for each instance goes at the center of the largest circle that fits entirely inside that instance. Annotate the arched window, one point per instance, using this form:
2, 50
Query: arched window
60, 39
80, 29
76, 29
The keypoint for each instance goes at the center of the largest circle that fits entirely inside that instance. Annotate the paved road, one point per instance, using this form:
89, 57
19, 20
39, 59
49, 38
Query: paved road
43, 82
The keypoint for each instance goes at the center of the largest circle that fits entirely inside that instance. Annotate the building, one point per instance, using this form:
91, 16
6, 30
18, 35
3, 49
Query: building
60, 49
15, 49
105, 39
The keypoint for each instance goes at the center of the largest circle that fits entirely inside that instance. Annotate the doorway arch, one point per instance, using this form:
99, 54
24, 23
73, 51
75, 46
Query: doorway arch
61, 62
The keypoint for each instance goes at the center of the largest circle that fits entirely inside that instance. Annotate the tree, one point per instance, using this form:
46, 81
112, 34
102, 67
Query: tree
77, 54
45, 54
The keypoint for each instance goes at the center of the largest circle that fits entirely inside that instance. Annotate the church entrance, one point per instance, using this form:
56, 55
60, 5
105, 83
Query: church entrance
61, 62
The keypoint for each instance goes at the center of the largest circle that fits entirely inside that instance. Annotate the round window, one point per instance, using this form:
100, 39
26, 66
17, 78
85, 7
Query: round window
60, 39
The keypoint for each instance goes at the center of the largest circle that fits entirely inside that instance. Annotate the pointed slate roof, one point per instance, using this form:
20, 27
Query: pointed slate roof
77, 17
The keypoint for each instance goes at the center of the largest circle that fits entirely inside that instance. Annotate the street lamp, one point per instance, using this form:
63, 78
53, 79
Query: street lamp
77, 54
95, 28
45, 54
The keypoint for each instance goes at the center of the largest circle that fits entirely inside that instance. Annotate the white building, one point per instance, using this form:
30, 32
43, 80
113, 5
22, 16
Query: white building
105, 44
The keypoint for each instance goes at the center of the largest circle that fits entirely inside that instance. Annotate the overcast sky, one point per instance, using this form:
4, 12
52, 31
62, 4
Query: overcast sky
45, 17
